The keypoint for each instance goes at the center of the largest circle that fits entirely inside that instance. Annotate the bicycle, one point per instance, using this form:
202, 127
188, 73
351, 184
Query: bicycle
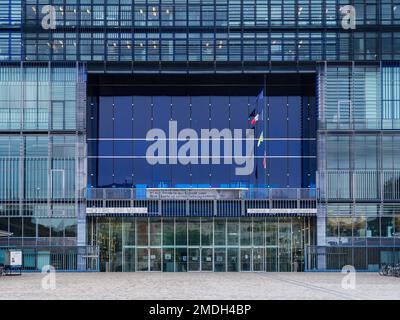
392, 270
396, 270
384, 270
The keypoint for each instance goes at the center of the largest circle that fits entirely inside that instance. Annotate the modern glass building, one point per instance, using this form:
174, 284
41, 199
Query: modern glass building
200, 135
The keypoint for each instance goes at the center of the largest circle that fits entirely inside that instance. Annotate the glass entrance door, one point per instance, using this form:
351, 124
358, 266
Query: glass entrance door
245, 260
233, 260
168, 260
258, 259
194, 259
181, 260
128, 262
142, 259
285, 245
207, 259
155, 259
219, 260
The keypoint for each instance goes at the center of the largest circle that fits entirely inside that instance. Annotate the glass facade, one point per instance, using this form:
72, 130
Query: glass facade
117, 151
42, 152
358, 171
80, 88
200, 30
201, 244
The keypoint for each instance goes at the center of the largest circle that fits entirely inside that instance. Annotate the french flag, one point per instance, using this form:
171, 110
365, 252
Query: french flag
255, 120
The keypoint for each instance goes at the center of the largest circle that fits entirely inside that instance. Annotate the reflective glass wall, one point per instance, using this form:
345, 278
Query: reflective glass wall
283, 139
201, 244
42, 154
359, 174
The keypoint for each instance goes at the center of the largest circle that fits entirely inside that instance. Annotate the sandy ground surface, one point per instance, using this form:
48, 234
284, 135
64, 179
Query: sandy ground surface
194, 286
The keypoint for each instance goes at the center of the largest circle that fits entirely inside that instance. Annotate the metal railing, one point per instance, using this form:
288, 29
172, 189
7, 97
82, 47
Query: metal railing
78, 258
359, 184
200, 194
362, 258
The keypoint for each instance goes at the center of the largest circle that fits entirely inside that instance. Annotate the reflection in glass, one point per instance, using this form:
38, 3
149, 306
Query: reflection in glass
155, 259
233, 259
233, 232
181, 232
283, 249
155, 232
219, 260
194, 232
206, 260
168, 260
142, 259
245, 260
220, 232
181, 259
194, 259
142, 232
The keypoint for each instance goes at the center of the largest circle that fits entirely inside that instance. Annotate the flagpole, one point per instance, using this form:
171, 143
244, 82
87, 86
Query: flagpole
265, 128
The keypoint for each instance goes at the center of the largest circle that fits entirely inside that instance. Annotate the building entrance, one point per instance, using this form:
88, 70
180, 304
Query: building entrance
202, 244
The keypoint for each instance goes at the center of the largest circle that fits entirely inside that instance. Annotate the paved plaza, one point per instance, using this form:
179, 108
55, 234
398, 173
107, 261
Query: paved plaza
196, 286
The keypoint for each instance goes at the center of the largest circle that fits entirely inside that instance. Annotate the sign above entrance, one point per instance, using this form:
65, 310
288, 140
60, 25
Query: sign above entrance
194, 194
277, 212
135, 210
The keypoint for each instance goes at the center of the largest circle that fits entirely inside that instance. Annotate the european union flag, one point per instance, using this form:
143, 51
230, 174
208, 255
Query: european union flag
260, 96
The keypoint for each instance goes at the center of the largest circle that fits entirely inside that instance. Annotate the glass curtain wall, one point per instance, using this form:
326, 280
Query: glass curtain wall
359, 173
284, 143
201, 244
42, 150
241, 23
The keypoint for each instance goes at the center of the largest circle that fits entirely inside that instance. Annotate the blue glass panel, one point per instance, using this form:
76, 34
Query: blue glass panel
288, 165
277, 117
161, 118
142, 172
200, 120
278, 173
106, 123
219, 115
181, 112
123, 169
295, 174
142, 114
123, 117
105, 173
294, 116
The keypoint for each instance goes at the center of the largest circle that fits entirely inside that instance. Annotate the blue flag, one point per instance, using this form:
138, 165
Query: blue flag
260, 96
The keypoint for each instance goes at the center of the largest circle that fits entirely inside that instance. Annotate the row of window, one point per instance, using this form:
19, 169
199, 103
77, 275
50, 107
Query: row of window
36, 98
201, 231
234, 46
38, 146
360, 97
26, 166
39, 209
40, 228
359, 209
10, 12
362, 227
210, 13
361, 152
